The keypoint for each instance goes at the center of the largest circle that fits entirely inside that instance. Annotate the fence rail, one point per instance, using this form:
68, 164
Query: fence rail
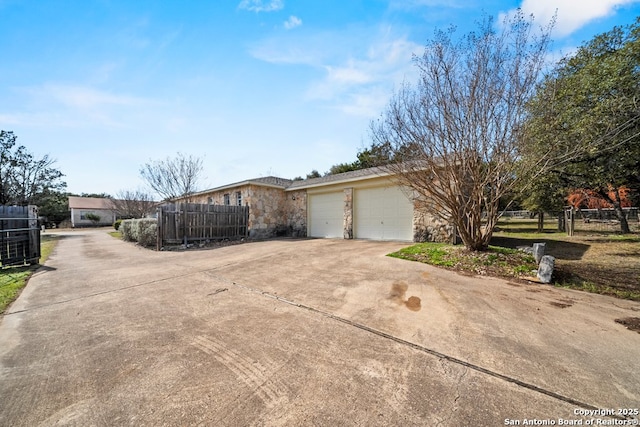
632, 214
190, 222
19, 235
582, 220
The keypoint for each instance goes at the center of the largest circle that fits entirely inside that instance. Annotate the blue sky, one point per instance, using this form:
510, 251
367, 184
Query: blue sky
253, 87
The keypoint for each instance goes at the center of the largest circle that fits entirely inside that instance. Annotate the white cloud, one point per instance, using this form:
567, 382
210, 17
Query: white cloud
292, 22
350, 73
360, 67
261, 6
308, 49
63, 105
367, 102
571, 14
84, 97
363, 86
13, 119
413, 4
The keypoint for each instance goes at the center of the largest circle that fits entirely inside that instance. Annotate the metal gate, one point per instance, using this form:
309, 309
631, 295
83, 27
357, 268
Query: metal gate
19, 235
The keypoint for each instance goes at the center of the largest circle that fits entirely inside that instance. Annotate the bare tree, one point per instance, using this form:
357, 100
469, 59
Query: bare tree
454, 136
132, 203
173, 177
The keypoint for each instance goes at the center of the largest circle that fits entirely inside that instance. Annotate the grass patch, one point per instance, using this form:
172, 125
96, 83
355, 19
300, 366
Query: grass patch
595, 261
585, 285
496, 261
116, 234
13, 279
430, 253
568, 276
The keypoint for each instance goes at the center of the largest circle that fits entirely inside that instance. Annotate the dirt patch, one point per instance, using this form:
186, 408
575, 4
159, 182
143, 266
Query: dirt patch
632, 323
605, 264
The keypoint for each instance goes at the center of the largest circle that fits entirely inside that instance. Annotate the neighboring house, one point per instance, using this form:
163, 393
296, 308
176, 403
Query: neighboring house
80, 207
362, 204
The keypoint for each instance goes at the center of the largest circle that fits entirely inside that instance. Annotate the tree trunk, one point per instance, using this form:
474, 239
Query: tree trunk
540, 222
561, 222
470, 235
474, 235
617, 208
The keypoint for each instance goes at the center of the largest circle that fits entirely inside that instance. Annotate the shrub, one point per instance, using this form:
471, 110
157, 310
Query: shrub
128, 230
116, 224
143, 231
147, 229
93, 217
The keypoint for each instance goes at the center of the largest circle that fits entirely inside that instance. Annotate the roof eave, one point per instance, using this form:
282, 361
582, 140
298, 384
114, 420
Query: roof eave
236, 185
379, 174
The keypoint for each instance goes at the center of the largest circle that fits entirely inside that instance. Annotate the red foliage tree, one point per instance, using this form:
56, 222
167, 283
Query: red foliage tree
588, 199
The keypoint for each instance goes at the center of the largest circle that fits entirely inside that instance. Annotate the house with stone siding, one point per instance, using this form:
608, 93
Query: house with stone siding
362, 204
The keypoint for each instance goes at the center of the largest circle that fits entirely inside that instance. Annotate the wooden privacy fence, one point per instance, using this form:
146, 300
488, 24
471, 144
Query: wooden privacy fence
19, 235
190, 222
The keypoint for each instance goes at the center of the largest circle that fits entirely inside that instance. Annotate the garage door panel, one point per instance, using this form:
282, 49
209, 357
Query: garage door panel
326, 214
382, 213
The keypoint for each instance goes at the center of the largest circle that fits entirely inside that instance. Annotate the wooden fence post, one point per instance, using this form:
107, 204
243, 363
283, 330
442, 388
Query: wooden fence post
159, 230
34, 235
184, 224
570, 220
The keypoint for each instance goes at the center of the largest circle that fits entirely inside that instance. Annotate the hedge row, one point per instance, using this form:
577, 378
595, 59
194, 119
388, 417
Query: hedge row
144, 231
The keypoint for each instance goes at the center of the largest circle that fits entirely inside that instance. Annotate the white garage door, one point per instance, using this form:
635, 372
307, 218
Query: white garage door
326, 214
382, 213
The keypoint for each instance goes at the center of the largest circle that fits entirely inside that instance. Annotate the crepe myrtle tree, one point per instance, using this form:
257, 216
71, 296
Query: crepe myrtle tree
173, 178
132, 204
454, 135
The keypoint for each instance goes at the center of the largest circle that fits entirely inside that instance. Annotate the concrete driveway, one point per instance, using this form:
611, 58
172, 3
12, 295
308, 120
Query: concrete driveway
302, 332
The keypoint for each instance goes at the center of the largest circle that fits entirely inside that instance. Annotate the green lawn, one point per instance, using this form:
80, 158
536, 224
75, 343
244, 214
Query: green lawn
497, 261
597, 261
13, 279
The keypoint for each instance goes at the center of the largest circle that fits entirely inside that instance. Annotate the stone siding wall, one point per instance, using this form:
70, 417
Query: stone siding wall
266, 209
429, 228
347, 224
272, 212
296, 213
